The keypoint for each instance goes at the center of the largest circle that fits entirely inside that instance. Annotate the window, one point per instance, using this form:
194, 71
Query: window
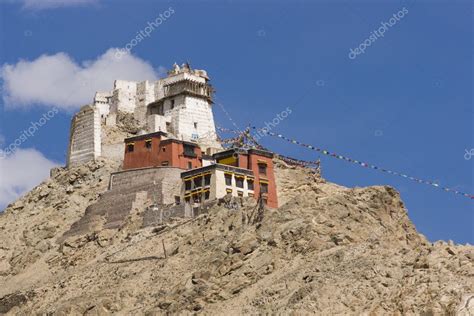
229, 191
228, 179
250, 184
264, 187
195, 125
207, 179
197, 182
172, 104
177, 200
206, 195
189, 151
190, 165
239, 182
164, 149
130, 147
165, 163
187, 184
262, 168
148, 143
187, 199
240, 193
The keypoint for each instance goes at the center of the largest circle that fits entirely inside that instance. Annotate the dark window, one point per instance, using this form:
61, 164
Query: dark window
187, 184
187, 199
195, 125
148, 144
239, 182
206, 195
190, 165
264, 187
197, 182
207, 179
172, 104
189, 151
130, 147
228, 179
262, 168
177, 200
240, 193
164, 148
250, 184
196, 198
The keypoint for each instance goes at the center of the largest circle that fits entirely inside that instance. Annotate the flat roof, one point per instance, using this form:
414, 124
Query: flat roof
150, 135
216, 166
229, 152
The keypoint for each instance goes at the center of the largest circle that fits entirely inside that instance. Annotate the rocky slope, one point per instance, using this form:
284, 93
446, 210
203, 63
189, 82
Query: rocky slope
327, 250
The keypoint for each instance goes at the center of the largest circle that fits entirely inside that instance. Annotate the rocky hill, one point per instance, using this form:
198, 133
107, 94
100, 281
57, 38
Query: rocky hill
327, 250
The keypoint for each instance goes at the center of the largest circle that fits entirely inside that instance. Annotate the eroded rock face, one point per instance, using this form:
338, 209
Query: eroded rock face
326, 250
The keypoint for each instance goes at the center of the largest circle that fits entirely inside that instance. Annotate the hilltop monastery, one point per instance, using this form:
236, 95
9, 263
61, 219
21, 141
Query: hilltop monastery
174, 158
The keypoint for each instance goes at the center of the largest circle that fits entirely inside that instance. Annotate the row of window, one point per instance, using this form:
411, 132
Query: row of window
197, 182
239, 181
197, 197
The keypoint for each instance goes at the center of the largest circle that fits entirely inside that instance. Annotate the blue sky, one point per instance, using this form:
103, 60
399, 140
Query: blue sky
404, 104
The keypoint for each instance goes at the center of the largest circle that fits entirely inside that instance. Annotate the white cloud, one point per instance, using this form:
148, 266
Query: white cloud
21, 172
53, 4
57, 80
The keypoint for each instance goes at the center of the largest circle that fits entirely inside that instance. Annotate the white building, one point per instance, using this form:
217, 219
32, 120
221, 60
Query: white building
180, 105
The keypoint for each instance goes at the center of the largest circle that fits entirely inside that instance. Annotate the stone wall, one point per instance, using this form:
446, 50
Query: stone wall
168, 178
85, 136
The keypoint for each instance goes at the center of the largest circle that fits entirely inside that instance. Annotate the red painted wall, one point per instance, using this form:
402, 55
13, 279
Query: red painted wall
143, 157
272, 199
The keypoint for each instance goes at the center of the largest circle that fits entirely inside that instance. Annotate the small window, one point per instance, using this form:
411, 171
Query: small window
196, 198
165, 163
263, 187
228, 179
190, 165
148, 143
195, 125
189, 151
250, 184
177, 200
197, 182
172, 104
239, 182
187, 199
164, 149
207, 179
187, 184
228, 190
206, 195
262, 168
130, 147
240, 193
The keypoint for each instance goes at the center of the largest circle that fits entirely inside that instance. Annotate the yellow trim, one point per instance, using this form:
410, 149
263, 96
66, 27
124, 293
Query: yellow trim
263, 181
263, 162
130, 144
187, 179
187, 195
228, 190
148, 140
227, 161
241, 176
229, 173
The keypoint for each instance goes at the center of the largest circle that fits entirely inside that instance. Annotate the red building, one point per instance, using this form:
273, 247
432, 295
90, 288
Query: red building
260, 162
235, 171
154, 150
